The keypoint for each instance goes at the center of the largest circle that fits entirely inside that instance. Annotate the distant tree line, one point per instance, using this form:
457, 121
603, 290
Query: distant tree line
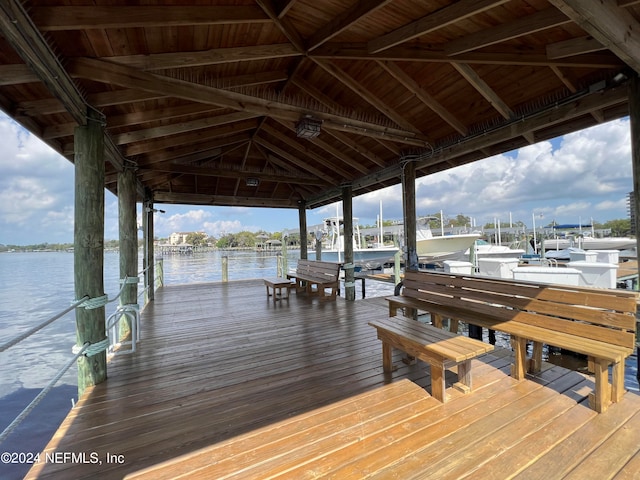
246, 239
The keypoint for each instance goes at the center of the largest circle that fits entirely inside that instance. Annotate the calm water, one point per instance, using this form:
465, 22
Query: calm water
35, 286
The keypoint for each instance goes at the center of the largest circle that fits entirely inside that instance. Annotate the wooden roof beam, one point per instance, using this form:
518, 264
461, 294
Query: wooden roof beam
284, 7
410, 84
526, 25
333, 106
284, 24
215, 56
343, 21
124, 76
196, 148
438, 19
96, 16
134, 118
180, 127
301, 164
330, 149
305, 151
17, 74
613, 26
174, 168
365, 94
489, 94
574, 46
160, 196
425, 54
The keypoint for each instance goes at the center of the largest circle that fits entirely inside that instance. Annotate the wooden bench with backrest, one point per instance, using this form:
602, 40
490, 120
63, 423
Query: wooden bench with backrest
439, 348
315, 277
599, 323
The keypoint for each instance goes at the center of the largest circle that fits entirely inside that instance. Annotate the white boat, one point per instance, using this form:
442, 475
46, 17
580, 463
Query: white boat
433, 248
587, 242
366, 257
484, 249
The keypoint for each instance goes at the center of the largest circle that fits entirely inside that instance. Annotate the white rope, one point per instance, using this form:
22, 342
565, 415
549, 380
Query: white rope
91, 349
349, 284
96, 302
18, 420
347, 266
35, 329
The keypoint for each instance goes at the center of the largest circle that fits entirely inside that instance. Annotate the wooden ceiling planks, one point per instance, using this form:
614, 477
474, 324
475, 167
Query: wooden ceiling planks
218, 83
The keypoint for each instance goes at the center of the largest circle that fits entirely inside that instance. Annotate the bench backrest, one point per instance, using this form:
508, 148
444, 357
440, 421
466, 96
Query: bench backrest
319, 269
598, 314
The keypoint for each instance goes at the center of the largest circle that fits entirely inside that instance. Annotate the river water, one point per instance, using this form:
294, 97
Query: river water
37, 285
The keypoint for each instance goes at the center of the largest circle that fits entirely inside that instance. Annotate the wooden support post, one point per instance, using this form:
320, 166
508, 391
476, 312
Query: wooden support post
89, 246
302, 221
347, 208
149, 261
410, 217
634, 116
128, 242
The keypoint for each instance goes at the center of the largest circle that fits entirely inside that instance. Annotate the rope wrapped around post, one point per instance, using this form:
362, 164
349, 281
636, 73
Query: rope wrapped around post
90, 349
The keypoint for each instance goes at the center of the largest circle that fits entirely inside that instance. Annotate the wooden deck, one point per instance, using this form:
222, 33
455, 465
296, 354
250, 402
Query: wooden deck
227, 384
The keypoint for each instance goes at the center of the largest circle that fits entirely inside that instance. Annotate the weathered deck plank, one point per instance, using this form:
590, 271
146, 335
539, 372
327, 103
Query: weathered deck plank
226, 384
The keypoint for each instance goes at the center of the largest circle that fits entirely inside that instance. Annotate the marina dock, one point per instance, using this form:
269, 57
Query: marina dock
226, 383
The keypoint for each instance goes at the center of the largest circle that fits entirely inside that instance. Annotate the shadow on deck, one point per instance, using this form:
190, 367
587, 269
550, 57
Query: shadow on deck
227, 384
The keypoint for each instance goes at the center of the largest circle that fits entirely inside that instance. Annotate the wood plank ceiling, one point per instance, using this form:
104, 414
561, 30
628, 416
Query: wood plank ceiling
200, 95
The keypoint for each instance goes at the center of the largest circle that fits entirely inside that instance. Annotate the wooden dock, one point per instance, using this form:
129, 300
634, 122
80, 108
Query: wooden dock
228, 384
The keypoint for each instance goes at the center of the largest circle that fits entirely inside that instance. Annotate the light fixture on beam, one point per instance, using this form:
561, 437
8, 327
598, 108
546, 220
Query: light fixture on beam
252, 182
308, 127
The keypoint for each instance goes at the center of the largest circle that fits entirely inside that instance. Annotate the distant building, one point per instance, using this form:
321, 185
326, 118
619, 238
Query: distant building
178, 238
632, 212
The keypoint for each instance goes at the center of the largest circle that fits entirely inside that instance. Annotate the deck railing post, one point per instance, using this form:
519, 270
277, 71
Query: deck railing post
159, 272
225, 268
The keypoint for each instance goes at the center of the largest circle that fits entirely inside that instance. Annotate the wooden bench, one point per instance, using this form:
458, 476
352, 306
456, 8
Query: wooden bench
599, 323
315, 277
439, 348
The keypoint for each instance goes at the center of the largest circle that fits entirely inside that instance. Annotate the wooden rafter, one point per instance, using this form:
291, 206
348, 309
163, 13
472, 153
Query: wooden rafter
527, 25
574, 46
294, 160
343, 21
96, 16
128, 77
439, 19
502, 56
488, 93
611, 25
162, 61
421, 94
357, 88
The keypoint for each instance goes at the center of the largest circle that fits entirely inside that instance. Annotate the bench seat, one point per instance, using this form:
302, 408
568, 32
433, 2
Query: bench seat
315, 277
439, 348
598, 323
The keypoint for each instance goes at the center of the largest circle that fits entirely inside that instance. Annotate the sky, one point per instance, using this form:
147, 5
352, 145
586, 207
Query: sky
575, 178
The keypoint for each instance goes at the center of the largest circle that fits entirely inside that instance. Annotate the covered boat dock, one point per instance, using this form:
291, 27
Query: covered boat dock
299, 104
227, 384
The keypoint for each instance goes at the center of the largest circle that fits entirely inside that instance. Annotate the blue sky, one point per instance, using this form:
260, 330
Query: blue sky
580, 176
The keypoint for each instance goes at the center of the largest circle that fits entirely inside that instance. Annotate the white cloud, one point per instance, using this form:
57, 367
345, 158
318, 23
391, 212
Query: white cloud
582, 175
